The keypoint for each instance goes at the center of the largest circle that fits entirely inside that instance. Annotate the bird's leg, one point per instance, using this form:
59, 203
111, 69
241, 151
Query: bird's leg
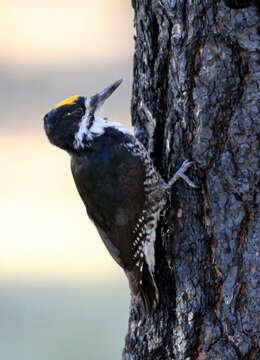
181, 174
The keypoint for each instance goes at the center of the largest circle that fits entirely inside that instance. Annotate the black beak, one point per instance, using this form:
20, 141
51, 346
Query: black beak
97, 100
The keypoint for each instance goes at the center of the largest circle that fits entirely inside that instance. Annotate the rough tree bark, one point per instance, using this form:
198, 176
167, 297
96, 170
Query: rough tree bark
196, 95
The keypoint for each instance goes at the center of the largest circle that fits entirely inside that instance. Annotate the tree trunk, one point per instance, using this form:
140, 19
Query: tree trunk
196, 95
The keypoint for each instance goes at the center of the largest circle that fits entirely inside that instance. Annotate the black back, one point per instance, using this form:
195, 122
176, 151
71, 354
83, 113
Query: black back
110, 181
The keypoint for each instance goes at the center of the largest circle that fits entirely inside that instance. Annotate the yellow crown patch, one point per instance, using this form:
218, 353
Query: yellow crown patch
69, 101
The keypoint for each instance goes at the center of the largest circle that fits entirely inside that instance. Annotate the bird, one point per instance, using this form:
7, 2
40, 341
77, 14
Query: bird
116, 179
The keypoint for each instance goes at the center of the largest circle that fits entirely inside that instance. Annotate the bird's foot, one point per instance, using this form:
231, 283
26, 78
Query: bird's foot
181, 174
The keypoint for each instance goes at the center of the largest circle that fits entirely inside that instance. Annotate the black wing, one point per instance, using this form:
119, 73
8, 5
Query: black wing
110, 180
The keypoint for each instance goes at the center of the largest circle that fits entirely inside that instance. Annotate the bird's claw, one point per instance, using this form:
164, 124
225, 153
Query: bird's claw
181, 174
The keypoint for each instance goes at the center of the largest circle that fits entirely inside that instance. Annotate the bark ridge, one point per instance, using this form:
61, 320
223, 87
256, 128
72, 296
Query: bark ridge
196, 95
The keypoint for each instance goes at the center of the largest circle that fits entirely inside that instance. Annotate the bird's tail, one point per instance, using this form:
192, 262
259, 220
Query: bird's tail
144, 287
148, 291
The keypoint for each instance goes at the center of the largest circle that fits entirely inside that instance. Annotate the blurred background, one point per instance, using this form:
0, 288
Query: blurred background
62, 296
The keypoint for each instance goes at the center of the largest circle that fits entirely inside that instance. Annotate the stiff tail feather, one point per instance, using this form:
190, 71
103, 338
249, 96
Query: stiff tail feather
144, 287
148, 291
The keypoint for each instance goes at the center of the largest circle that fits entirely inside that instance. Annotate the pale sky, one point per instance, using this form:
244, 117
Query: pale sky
44, 228
47, 31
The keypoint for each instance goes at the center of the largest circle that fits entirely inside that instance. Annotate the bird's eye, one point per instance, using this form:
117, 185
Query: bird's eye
78, 112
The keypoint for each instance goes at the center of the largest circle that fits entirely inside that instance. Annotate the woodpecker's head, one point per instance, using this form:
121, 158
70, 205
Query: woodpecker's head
73, 122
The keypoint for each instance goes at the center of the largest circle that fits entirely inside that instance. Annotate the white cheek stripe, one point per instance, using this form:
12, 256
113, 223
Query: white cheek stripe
83, 126
79, 136
97, 128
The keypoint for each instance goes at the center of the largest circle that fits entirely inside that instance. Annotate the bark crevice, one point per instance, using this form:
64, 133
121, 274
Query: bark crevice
196, 95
